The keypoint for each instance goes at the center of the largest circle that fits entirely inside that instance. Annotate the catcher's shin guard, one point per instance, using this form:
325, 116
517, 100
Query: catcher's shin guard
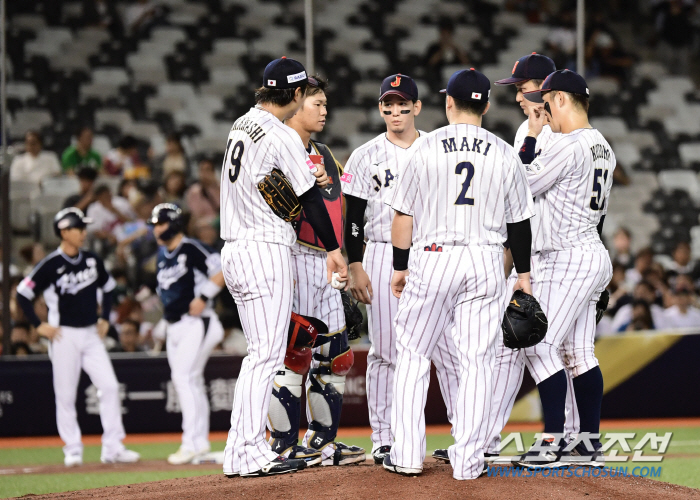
325, 395
285, 410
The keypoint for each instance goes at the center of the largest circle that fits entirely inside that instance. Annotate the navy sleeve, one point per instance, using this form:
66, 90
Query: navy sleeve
104, 279
27, 307
354, 227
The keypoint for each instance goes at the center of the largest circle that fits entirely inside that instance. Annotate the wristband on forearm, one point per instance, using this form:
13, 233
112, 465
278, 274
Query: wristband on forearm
527, 150
209, 291
401, 258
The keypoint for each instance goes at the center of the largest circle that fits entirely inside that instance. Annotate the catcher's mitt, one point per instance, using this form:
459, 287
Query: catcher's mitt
601, 306
277, 192
524, 323
353, 316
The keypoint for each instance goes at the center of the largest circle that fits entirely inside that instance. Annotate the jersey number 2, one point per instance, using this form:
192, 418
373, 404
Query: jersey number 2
462, 198
597, 201
236, 156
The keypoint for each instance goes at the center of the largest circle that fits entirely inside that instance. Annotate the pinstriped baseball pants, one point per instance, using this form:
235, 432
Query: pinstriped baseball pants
463, 285
259, 277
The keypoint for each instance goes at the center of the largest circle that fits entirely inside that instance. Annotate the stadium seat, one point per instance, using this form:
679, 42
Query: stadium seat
26, 119
689, 153
681, 179
21, 193
59, 186
21, 90
117, 117
101, 144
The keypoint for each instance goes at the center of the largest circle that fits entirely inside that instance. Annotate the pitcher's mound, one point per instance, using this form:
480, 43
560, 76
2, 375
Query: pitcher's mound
372, 482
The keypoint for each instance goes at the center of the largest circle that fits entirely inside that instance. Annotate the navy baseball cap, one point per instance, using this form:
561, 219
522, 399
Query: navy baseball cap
468, 85
564, 80
531, 67
284, 73
401, 85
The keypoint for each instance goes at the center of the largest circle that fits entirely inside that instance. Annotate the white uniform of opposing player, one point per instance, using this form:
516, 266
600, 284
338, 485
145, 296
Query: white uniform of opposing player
462, 186
257, 267
370, 174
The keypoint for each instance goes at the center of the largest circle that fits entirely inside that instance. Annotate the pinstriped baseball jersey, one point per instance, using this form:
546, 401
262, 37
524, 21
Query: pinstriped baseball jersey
486, 190
258, 143
370, 173
573, 178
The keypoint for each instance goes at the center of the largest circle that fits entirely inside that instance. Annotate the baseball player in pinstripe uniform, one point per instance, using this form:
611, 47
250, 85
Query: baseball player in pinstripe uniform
315, 297
573, 178
256, 259
71, 280
462, 193
528, 74
370, 175
189, 278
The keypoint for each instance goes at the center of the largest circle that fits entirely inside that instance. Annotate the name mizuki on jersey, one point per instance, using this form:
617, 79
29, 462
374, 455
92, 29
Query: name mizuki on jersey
254, 131
169, 275
72, 283
599, 151
450, 145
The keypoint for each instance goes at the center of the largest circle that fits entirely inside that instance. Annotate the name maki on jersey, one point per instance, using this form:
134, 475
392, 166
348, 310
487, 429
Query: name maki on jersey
450, 145
599, 151
74, 282
254, 131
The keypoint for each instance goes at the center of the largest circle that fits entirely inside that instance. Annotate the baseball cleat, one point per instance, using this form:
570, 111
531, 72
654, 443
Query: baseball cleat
547, 458
181, 456
491, 458
397, 469
309, 455
279, 465
581, 455
123, 457
73, 460
441, 454
380, 453
344, 454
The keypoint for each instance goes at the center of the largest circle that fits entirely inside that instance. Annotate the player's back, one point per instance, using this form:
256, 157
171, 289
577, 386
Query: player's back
573, 178
258, 143
468, 184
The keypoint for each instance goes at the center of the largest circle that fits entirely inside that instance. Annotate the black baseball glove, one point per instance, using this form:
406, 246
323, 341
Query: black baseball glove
524, 323
601, 306
353, 316
277, 192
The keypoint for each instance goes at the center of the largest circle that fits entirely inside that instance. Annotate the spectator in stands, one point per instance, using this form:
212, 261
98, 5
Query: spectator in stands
682, 314
20, 349
34, 164
129, 337
174, 186
675, 33
107, 212
561, 41
444, 52
645, 292
86, 195
619, 293
174, 159
14, 270
124, 160
140, 16
604, 53
103, 14
81, 155
20, 333
641, 317
642, 263
202, 197
622, 247
682, 262
32, 255
207, 231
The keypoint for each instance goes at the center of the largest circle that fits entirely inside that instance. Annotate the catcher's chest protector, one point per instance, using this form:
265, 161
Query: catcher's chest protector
332, 198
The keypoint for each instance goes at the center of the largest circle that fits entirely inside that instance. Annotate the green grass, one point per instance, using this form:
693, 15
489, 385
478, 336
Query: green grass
676, 469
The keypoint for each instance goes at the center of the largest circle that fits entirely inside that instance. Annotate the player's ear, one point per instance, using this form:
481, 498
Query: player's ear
486, 109
417, 106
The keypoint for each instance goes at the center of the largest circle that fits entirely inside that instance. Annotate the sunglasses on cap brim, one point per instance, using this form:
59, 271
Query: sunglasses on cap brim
312, 81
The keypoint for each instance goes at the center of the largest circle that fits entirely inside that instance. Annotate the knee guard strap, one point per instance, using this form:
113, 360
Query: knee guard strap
285, 410
302, 334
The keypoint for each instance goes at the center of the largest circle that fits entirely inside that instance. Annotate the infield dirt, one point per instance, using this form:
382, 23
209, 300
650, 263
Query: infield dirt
369, 481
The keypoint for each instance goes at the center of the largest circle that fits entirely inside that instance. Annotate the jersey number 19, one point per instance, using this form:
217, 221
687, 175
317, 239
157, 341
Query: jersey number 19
236, 156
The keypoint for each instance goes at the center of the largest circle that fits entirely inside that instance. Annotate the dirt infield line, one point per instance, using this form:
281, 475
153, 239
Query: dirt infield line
171, 437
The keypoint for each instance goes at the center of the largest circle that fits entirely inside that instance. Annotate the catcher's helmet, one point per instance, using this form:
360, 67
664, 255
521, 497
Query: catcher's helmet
69, 218
170, 213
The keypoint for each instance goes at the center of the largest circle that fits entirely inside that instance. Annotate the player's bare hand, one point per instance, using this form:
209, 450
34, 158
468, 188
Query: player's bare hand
398, 282
360, 286
321, 176
197, 306
335, 263
48, 331
102, 327
523, 283
536, 120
